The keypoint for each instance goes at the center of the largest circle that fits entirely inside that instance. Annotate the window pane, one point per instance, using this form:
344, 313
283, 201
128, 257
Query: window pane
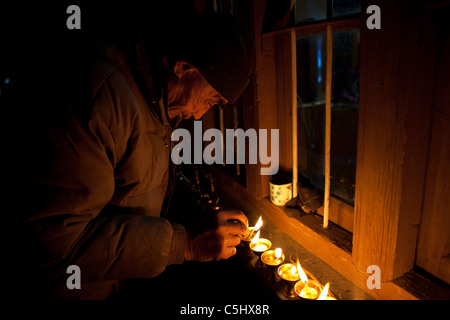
344, 114
344, 7
311, 73
307, 10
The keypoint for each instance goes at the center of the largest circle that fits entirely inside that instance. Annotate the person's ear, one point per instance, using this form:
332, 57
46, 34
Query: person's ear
182, 67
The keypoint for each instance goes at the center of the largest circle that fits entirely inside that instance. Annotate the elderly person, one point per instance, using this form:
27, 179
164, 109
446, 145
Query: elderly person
103, 178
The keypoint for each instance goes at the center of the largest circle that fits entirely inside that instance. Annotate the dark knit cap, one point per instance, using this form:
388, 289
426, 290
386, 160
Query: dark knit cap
216, 45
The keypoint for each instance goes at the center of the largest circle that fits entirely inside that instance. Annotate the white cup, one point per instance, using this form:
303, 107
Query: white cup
280, 190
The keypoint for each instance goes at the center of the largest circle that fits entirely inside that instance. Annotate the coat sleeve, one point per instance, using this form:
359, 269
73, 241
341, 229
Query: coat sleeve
71, 223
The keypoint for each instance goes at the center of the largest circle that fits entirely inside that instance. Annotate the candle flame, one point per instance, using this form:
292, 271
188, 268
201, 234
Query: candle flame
293, 270
278, 253
302, 274
256, 238
323, 295
258, 224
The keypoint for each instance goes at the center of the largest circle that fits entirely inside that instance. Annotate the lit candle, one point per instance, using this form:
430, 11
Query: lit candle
253, 230
273, 257
288, 272
259, 245
305, 288
324, 294
258, 224
309, 290
301, 273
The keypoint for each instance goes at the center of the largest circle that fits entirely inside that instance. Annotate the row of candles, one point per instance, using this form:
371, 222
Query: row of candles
297, 282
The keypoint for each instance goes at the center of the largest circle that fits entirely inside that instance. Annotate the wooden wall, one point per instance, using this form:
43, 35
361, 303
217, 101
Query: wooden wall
398, 66
433, 251
260, 98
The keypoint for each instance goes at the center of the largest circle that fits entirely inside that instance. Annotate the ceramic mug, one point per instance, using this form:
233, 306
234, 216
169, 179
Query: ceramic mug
280, 190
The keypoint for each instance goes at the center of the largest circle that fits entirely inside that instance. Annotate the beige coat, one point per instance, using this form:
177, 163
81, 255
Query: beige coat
103, 178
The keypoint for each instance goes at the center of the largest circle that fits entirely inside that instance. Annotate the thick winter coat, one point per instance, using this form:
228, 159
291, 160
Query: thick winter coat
102, 185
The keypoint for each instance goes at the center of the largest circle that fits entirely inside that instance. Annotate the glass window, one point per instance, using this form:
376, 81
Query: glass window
344, 114
345, 7
313, 10
308, 11
311, 71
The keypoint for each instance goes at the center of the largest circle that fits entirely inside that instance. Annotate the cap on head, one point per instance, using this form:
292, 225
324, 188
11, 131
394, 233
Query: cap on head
216, 45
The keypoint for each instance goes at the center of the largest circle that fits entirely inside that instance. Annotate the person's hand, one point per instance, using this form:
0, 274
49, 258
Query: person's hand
215, 236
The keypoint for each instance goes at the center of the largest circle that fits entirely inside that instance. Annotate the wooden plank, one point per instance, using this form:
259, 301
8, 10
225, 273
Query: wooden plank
433, 250
294, 113
422, 286
327, 157
434, 238
379, 167
340, 213
392, 144
250, 112
222, 130
259, 98
265, 93
284, 98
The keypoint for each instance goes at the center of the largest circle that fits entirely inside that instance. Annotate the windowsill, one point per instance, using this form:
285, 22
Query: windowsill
281, 226
334, 234
326, 253
341, 287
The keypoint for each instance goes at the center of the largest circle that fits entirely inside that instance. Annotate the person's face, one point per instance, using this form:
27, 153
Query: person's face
189, 94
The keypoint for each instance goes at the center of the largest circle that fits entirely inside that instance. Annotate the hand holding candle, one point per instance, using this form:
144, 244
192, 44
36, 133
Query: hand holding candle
215, 236
253, 230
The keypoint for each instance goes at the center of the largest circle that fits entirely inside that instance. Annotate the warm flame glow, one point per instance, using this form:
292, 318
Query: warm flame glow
258, 224
302, 274
323, 295
256, 238
293, 270
278, 253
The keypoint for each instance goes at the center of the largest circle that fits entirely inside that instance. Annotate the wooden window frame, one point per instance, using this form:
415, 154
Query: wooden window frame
392, 142
333, 209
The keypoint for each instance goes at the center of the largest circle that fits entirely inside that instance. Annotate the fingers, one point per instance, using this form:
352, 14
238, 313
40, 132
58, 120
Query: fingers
235, 222
236, 229
234, 215
231, 240
214, 237
228, 252
229, 246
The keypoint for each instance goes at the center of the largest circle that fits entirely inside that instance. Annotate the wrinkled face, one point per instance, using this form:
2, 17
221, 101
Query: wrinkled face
189, 94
